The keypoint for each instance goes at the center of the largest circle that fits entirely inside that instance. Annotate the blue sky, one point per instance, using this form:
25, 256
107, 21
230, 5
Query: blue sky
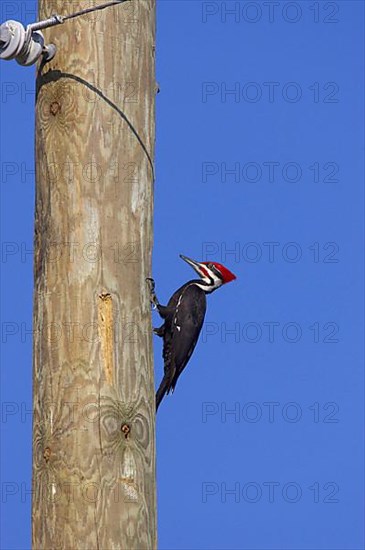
259, 165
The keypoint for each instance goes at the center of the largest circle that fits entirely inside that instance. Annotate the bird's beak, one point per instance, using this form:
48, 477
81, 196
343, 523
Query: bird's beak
195, 265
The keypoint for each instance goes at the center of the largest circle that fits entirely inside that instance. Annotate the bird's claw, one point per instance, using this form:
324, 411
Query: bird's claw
153, 298
151, 283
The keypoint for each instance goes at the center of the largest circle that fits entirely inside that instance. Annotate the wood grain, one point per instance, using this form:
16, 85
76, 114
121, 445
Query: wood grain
94, 420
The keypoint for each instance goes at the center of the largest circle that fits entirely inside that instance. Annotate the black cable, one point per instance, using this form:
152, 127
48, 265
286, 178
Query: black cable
95, 8
59, 19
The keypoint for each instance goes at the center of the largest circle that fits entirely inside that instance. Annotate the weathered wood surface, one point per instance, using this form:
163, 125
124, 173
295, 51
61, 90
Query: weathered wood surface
94, 421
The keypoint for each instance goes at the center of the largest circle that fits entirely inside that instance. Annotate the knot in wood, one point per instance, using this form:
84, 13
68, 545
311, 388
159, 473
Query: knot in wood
47, 454
55, 107
126, 430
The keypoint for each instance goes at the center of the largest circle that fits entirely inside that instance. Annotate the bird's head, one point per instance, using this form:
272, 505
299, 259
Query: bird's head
212, 274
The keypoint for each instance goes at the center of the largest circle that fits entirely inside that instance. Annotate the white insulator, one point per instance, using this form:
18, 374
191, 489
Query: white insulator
26, 46
33, 48
15, 34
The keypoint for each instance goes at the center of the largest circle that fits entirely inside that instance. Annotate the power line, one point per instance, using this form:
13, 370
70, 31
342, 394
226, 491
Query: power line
59, 19
26, 45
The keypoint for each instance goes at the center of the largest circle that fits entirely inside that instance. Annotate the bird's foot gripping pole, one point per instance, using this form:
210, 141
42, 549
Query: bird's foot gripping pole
153, 298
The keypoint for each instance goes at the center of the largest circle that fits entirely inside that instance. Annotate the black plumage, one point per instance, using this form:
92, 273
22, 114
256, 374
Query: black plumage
183, 319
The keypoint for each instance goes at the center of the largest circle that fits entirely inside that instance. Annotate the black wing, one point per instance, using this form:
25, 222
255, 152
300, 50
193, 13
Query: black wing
181, 339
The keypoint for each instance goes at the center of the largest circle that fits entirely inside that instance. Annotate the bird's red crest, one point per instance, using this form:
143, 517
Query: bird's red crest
227, 275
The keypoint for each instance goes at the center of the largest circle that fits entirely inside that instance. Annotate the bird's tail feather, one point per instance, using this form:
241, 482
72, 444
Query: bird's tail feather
161, 392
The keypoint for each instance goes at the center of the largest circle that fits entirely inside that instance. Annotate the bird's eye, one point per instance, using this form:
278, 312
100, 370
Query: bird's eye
216, 271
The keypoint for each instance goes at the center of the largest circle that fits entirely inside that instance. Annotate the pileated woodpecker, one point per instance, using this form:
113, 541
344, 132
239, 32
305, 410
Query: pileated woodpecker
183, 319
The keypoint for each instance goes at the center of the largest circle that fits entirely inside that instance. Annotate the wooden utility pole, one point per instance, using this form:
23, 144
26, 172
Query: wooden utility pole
94, 419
